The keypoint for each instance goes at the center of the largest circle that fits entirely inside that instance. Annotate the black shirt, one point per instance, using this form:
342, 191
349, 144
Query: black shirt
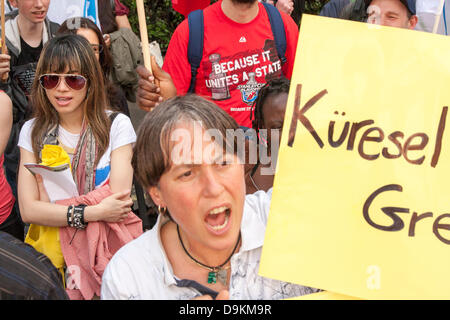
28, 53
25, 68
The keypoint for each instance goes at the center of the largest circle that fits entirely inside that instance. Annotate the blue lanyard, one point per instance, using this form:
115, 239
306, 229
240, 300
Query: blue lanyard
445, 20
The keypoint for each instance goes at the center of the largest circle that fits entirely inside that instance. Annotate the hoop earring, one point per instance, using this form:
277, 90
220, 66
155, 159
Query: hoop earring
162, 210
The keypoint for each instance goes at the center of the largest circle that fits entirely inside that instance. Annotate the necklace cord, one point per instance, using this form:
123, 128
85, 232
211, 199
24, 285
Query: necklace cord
202, 264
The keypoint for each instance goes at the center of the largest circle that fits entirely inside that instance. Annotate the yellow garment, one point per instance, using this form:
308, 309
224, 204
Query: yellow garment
43, 238
54, 155
46, 240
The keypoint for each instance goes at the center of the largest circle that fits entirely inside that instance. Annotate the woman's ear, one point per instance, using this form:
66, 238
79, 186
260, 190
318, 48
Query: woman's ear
155, 193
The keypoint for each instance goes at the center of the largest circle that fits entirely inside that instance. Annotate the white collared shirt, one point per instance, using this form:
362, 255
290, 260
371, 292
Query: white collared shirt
141, 270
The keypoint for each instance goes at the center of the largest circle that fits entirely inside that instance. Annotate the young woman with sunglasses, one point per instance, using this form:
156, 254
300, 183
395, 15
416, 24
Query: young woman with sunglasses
69, 102
88, 29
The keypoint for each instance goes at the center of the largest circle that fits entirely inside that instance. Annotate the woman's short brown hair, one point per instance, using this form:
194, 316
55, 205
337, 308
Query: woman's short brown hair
151, 152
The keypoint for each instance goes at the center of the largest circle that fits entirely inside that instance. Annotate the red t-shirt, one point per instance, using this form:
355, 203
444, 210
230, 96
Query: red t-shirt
238, 59
6, 197
186, 6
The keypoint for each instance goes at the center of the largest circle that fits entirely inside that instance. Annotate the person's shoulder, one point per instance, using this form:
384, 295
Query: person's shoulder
6, 103
28, 124
120, 121
52, 26
213, 8
211, 14
182, 29
140, 249
258, 204
117, 117
25, 132
288, 20
4, 98
138, 256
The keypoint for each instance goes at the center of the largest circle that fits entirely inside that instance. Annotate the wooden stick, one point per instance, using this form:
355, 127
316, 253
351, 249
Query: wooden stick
438, 17
5, 76
144, 34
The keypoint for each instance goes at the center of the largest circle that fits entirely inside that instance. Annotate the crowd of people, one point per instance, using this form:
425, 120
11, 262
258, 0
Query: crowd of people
60, 99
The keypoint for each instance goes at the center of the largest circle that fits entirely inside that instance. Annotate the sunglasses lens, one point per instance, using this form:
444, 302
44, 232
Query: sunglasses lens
49, 81
76, 82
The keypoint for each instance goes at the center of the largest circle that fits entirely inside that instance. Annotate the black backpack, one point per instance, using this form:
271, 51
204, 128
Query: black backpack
195, 45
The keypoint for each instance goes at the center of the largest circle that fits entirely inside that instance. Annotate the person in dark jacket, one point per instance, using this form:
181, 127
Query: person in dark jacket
26, 274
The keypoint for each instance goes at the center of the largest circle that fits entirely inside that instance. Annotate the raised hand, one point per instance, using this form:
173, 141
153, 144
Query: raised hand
155, 88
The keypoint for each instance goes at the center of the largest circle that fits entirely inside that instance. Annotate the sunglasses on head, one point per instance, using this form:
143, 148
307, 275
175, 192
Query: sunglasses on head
51, 81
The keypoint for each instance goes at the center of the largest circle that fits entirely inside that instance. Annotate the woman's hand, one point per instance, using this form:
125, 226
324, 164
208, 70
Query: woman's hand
114, 208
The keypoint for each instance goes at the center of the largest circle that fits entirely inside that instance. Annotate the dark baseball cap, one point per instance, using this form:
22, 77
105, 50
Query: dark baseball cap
410, 5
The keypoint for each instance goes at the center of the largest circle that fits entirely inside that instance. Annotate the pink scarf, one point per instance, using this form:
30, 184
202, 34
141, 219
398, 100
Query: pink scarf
87, 252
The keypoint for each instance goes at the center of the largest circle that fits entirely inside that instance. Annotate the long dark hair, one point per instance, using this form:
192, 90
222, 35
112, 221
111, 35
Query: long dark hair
62, 53
107, 17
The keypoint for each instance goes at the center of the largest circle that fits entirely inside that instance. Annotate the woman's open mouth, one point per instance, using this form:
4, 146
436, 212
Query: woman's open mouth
63, 101
218, 218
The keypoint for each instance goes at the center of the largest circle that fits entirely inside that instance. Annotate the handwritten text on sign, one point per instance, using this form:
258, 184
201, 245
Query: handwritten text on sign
360, 199
416, 142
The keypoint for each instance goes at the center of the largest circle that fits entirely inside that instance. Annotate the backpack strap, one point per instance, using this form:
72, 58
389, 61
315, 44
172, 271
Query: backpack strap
279, 34
195, 45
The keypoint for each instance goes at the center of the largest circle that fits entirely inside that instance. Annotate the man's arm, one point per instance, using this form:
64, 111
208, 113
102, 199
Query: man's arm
123, 22
6, 120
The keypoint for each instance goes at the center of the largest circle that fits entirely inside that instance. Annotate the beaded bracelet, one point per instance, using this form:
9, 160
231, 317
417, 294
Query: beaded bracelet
69, 215
78, 217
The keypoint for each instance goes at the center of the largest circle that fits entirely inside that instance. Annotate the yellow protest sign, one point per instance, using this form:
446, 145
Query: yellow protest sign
360, 203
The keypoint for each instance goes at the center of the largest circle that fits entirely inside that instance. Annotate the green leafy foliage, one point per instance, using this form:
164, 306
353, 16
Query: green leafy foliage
161, 20
314, 6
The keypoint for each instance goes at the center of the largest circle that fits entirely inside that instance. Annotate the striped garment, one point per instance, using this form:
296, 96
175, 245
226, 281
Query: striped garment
26, 274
